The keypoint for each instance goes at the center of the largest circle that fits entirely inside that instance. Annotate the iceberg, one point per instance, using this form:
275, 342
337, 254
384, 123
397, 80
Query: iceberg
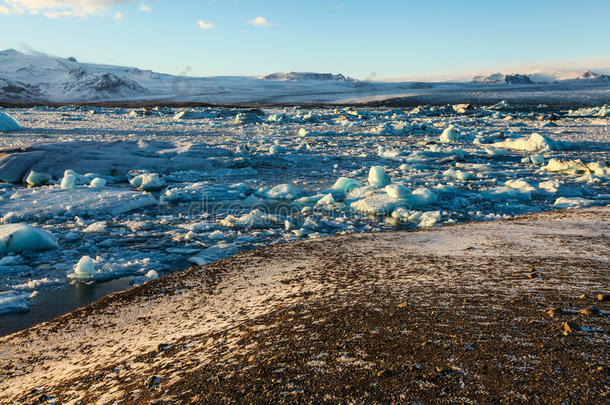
281, 192
18, 238
535, 143
346, 185
255, 219
572, 202
8, 123
148, 182
378, 177
450, 134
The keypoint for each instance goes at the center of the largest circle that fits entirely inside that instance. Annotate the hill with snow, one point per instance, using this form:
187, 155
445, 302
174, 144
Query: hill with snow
41, 79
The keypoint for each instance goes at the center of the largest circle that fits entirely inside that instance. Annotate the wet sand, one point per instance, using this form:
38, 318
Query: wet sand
506, 311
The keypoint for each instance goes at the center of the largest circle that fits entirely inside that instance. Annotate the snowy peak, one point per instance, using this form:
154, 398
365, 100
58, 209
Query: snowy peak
35, 78
307, 76
594, 77
498, 78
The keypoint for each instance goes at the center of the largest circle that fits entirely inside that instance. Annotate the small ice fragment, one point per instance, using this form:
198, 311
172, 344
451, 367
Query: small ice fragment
378, 177
397, 191
326, 200
572, 202
147, 182
152, 275
85, 266
537, 159
68, 181
37, 178
346, 184
450, 134
97, 182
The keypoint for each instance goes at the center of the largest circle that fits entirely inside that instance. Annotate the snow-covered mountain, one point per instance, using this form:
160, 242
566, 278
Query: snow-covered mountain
300, 76
39, 79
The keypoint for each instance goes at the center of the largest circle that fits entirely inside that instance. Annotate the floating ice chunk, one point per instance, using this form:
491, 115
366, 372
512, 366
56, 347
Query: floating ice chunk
423, 197
397, 191
255, 219
217, 235
520, 184
450, 134
496, 152
572, 202
422, 219
326, 200
578, 167
535, 142
213, 254
550, 186
537, 159
507, 193
246, 118
14, 302
68, 182
147, 182
8, 123
191, 115
378, 177
96, 227
24, 238
377, 204
85, 267
151, 275
281, 192
37, 178
275, 150
603, 111
98, 182
46, 202
346, 185
458, 174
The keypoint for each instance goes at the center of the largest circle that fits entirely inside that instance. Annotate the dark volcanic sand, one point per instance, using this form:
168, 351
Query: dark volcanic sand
458, 314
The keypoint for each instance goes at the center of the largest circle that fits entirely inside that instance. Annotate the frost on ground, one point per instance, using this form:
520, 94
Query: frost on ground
458, 313
160, 188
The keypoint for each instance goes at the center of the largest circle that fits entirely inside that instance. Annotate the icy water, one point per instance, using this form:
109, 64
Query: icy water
193, 186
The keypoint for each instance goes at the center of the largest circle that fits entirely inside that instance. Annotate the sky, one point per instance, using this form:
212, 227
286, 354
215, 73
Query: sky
362, 39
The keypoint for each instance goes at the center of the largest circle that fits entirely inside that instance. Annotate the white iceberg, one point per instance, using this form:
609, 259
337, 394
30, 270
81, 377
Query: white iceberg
148, 182
378, 177
450, 134
535, 143
254, 219
572, 202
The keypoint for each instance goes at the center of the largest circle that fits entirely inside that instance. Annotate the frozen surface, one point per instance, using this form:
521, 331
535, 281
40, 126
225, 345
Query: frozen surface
158, 189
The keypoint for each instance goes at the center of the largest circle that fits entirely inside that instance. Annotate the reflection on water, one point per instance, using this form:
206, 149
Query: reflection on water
50, 304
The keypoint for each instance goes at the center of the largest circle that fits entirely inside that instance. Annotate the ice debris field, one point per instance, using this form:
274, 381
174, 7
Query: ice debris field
93, 194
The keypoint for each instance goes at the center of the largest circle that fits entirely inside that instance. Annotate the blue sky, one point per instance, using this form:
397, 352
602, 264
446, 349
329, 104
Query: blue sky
390, 38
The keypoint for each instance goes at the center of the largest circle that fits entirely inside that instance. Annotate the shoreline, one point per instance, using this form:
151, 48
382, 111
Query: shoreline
346, 317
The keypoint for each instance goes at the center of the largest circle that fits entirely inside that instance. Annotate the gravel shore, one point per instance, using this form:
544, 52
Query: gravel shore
508, 311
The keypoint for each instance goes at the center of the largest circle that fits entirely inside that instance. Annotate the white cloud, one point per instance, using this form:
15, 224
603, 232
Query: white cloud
259, 22
60, 8
118, 16
205, 25
145, 8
